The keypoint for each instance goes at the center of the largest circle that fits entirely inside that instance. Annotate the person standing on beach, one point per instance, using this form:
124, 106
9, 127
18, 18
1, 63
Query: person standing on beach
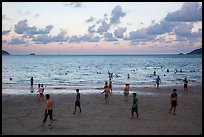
134, 106
173, 100
185, 86
110, 84
158, 81
126, 92
77, 102
31, 81
107, 92
48, 111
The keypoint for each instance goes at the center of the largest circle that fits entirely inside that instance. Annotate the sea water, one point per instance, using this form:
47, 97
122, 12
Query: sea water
65, 73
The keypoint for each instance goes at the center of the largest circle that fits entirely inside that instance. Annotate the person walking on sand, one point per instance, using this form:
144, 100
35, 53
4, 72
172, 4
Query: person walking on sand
126, 92
48, 110
77, 102
107, 92
174, 102
158, 81
134, 106
185, 86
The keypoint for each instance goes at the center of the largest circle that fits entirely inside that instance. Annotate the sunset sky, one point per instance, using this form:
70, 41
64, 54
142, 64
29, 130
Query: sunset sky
101, 27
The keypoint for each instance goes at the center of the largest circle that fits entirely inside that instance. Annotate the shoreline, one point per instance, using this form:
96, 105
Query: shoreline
22, 114
85, 89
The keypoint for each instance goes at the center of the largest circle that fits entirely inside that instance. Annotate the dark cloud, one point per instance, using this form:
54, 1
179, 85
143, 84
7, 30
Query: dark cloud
161, 28
139, 36
22, 28
184, 32
17, 41
119, 32
43, 39
189, 12
116, 14
6, 32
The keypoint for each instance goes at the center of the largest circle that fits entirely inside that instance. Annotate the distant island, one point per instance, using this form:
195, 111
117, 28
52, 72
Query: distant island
5, 52
197, 51
194, 52
32, 54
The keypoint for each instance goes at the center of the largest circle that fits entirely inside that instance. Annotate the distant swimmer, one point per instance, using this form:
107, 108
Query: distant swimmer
181, 70
154, 73
167, 70
128, 76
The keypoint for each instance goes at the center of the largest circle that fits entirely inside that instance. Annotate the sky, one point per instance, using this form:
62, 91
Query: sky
64, 28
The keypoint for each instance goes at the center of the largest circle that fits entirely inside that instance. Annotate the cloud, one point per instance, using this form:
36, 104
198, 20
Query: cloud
36, 15
17, 41
84, 38
161, 28
119, 32
6, 32
5, 18
91, 29
116, 14
23, 13
74, 4
90, 19
103, 25
22, 28
189, 12
109, 37
184, 32
44, 38
103, 28
140, 35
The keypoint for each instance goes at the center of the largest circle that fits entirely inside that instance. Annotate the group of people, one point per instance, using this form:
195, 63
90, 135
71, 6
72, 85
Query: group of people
49, 108
158, 81
107, 90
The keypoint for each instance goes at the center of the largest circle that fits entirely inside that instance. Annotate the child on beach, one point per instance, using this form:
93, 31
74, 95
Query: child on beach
40, 91
134, 106
126, 92
107, 92
173, 100
77, 102
185, 84
48, 111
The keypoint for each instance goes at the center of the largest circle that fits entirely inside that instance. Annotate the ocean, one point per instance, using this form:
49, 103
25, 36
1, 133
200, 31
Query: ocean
65, 73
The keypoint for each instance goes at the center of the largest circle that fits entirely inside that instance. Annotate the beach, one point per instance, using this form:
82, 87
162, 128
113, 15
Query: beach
23, 114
